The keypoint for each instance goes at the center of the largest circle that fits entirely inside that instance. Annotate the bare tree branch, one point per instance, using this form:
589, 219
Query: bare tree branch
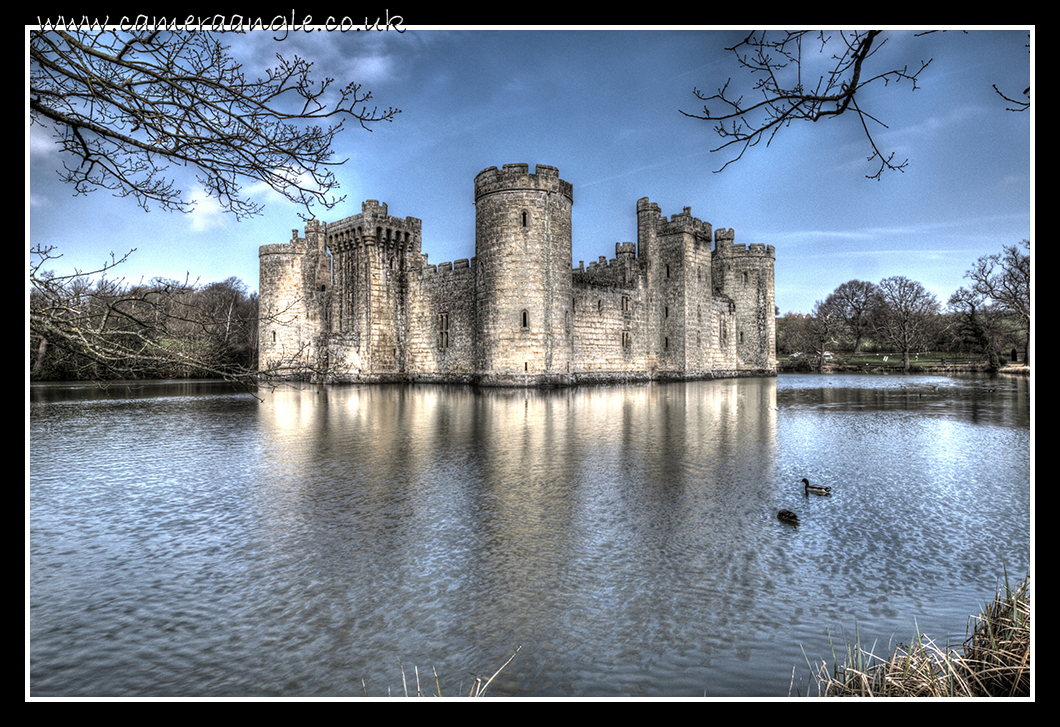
126, 105
783, 96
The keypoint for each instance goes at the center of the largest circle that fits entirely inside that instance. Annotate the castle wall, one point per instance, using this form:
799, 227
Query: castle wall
611, 328
358, 299
442, 336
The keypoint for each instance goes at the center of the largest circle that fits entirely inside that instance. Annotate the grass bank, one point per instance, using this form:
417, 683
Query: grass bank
995, 660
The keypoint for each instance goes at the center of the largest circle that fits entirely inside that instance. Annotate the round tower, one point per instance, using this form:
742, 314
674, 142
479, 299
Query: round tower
523, 254
294, 290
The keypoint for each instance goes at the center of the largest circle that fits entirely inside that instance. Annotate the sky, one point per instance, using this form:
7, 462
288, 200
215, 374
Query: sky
604, 107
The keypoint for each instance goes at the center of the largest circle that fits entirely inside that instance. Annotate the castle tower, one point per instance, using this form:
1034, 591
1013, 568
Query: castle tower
374, 256
678, 252
745, 273
523, 291
294, 290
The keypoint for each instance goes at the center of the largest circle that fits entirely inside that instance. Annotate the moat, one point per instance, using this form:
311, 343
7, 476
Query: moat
190, 540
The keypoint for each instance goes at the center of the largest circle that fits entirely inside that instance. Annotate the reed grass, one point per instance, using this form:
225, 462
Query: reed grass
994, 660
478, 684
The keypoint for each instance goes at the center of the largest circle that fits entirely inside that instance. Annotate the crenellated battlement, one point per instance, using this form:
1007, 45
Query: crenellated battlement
375, 227
454, 267
517, 177
684, 222
725, 246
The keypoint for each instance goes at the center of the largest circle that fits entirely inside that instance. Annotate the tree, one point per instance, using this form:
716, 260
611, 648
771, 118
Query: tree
978, 323
852, 302
126, 104
904, 314
91, 326
814, 334
786, 91
123, 106
1000, 284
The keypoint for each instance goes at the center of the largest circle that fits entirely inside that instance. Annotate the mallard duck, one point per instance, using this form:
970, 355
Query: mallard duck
787, 516
815, 489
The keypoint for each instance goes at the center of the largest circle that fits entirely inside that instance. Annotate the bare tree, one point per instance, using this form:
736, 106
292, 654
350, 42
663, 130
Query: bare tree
784, 94
1002, 281
126, 104
978, 322
852, 302
88, 325
904, 314
824, 326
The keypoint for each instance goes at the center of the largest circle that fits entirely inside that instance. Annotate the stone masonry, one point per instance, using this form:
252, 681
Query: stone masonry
357, 301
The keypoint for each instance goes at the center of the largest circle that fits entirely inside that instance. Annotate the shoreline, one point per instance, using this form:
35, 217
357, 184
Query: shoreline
1009, 370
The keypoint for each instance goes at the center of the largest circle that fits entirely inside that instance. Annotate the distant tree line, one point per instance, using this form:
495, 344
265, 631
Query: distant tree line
89, 326
989, 317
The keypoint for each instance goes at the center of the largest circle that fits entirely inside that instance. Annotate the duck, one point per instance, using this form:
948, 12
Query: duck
815, 489
787, 516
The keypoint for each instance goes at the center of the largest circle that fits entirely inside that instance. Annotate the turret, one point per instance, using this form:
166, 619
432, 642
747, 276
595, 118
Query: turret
523, 251
745, 274
374, 255
294, 290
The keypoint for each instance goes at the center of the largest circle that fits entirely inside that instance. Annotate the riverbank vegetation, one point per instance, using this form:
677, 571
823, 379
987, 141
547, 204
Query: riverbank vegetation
898, 324
96, 327
994, 661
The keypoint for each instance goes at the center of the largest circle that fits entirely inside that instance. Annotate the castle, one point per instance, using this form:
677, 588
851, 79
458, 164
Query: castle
357, 301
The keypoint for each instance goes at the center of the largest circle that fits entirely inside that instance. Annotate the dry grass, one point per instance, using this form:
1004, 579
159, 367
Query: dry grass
478, 685
994, 661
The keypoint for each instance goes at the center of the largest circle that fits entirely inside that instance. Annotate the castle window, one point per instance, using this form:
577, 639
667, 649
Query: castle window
526, 318
667, 270
745, 278
525, 218
627, 304
627, 339
600, 305
443, 330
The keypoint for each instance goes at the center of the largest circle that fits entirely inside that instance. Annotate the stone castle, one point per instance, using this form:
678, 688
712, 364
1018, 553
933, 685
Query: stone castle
357, 301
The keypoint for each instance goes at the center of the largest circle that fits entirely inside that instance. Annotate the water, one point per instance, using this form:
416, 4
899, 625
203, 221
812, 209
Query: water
190, 540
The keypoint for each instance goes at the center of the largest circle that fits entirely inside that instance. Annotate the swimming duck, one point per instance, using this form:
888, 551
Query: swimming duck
815, 489
787, 516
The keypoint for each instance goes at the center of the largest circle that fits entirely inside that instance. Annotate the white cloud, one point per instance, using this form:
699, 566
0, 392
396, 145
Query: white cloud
206, 213
41, 142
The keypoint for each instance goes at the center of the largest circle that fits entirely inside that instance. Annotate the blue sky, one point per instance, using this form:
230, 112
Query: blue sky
604, 106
